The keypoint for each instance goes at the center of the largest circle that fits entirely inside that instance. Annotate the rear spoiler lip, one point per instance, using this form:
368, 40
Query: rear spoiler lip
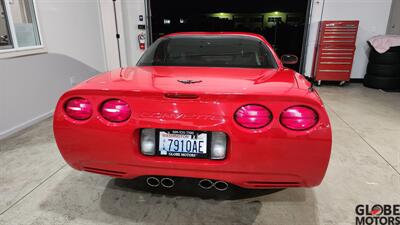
133, 92
305, 96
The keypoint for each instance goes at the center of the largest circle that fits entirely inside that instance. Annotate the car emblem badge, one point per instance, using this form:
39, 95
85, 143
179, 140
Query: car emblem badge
190, 81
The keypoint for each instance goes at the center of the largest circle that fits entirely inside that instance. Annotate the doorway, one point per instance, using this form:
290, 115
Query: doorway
284, 23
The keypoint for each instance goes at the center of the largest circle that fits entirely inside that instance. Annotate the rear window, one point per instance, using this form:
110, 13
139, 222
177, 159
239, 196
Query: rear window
209, 51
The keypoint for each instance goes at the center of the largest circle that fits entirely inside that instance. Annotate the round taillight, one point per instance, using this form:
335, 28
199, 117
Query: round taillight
299, 118
78, 109
115, 110
253, 116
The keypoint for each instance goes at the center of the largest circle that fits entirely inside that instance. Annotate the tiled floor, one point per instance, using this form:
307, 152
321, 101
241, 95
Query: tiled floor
36, 187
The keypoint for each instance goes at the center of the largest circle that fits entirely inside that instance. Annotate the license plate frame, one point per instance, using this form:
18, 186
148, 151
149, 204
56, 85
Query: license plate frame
184, 155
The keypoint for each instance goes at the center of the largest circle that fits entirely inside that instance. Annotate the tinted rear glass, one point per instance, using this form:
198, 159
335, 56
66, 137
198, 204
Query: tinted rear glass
209, 51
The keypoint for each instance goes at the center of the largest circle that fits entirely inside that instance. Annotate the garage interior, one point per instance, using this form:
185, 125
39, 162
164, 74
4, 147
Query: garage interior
282, 23
38, 187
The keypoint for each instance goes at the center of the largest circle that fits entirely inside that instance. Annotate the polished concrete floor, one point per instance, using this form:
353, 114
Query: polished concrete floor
36, 187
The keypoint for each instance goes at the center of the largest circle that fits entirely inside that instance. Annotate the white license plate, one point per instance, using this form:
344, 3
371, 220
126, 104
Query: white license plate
181, 143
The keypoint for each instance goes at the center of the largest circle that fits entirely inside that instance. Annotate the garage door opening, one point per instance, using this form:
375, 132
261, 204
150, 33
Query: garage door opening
282, 22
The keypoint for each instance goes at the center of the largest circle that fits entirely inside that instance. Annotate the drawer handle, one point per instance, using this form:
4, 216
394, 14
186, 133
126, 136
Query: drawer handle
334, 41
338, 32
337, 53
336, 63
338, 36
337, 49
340, 28
328, 57
335, 71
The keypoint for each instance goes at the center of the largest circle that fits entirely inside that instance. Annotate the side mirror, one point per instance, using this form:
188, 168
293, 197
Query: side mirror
289, 59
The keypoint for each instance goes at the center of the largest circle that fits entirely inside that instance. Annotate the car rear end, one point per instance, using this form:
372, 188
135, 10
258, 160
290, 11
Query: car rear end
276, 139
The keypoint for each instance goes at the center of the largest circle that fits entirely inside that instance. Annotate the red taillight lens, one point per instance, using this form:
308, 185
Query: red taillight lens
115, 110
253, 116
299, 118
78, 108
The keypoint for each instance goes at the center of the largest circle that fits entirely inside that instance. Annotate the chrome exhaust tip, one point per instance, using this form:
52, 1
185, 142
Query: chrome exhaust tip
167, 182
153, 181
206, 184
221, 185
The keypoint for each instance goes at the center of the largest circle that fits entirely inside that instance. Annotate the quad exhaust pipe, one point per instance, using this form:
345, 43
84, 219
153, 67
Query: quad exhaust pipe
167, 182
207, 184
164, 182
153, 181
221, 185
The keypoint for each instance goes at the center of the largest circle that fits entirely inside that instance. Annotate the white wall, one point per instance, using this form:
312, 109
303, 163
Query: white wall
394, 19
373, 16
73, 28
30, 86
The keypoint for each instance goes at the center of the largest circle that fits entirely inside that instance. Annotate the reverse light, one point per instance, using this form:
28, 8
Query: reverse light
78, 108
148, 141
299, 118
253, 116
218, 145
115, 110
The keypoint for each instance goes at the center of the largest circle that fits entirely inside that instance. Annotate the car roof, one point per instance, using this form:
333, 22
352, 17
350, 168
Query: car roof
215, 34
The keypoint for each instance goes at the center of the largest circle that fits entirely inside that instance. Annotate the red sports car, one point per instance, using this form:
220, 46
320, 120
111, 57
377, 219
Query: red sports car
216, 107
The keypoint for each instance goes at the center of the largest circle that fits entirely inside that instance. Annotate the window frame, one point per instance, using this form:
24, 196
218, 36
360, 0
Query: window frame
16, 50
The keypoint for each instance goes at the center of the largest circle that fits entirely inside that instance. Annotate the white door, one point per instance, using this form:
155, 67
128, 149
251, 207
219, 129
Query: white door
394, 20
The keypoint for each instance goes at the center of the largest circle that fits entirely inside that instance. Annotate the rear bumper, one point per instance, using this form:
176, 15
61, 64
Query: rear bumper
271, 157
253, 161
242, 179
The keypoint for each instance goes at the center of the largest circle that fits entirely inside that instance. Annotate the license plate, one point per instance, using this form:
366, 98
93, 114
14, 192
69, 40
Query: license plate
182, 143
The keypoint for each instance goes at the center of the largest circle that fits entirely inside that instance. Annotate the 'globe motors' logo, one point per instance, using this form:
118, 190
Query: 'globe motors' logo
378, 215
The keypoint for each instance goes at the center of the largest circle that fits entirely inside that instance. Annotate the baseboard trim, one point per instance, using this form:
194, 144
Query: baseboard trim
25, 125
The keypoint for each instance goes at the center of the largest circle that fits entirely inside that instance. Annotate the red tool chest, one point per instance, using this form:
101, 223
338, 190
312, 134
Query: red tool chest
334, 55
